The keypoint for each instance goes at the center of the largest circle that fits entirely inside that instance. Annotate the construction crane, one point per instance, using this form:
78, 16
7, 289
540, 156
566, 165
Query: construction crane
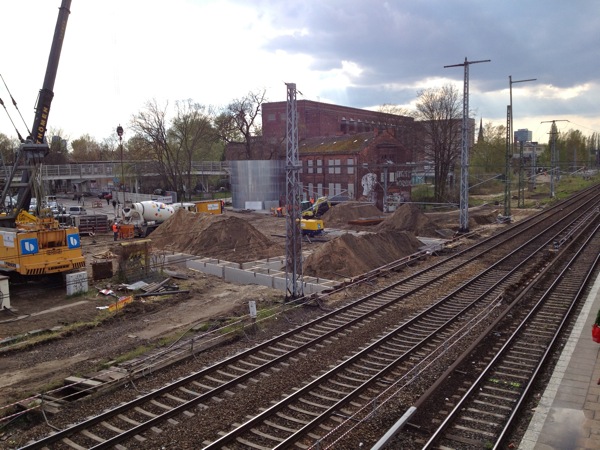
37, 244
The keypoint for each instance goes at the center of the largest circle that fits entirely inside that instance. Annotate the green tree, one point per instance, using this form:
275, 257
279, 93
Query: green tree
573, 150
86, 149
489, 155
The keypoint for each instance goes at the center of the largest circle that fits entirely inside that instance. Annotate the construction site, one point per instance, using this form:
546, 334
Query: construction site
55, 335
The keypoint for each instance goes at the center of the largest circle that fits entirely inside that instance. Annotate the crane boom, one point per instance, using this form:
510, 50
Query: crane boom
34, 149
36, 245
46, 94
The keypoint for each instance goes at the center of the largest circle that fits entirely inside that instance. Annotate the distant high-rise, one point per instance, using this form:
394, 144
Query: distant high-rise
523, 135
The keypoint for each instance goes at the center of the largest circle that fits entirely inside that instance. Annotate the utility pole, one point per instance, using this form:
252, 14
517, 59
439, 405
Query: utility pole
464, 155
521, 176
509, 149
554, 177
122, 180
293, 247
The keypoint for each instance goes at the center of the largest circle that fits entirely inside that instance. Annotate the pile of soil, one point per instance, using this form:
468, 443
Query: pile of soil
408, 217
351, 255
342, 213
214, 236
484, 218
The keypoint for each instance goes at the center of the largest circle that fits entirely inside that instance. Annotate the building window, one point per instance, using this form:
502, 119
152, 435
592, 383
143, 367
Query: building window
331, 190
311, 191
335, 166
319, 189
319, 166
350, 166
271, 117
309, 166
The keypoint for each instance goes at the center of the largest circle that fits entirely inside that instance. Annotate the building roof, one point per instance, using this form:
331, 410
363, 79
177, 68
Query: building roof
344, 144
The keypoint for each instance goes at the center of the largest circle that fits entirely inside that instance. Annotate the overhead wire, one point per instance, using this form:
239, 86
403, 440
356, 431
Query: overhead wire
14, 102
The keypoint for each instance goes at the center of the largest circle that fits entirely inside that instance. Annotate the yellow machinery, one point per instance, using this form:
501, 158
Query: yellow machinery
39, 246
316, 209
312, 227
209, 206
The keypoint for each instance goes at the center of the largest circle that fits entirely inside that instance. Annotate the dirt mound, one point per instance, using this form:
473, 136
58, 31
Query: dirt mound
409, 217
222, 237
484, 218
351, 255
342, 213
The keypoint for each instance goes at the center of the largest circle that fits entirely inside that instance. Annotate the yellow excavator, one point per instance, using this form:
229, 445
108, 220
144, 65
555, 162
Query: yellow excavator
36, 244
315, 210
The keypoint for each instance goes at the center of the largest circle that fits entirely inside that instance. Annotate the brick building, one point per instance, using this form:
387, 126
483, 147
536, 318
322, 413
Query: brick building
361, 166
345, 152
316, 119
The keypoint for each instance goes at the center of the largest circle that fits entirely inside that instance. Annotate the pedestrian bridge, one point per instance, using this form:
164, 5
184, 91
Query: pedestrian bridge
102, 174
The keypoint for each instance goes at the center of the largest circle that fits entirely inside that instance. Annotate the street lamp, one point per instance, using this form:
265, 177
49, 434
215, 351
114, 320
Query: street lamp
121, 183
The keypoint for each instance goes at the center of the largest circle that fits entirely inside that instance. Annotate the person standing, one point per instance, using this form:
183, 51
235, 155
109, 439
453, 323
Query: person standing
115, 229
107, 200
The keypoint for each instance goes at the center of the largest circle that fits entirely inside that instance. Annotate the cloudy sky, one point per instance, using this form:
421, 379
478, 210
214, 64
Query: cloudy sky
118, 55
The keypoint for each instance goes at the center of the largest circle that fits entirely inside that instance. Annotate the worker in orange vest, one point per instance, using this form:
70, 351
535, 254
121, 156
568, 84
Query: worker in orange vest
115, 228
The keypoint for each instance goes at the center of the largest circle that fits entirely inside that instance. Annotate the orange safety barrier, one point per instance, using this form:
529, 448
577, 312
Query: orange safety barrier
126, 231
120, 303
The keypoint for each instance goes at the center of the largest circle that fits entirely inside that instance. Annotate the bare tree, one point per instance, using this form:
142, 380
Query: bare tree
240, 120
173, 145
151, 129
440, 113
397, 110
192, 131
8, 149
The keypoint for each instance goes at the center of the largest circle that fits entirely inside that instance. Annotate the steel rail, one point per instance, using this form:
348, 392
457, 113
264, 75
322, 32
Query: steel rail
517, 334
235, 434
378, 308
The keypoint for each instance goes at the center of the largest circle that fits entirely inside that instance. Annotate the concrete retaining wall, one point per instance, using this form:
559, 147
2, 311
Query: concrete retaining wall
254, 274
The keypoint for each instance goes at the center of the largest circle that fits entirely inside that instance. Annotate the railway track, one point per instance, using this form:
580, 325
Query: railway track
404, 329
484, 414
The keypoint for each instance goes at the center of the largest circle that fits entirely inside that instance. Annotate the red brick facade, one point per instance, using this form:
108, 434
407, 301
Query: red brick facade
345, 152
355, 167
317, 119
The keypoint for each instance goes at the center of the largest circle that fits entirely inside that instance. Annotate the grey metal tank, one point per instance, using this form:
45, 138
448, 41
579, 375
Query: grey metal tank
257, 184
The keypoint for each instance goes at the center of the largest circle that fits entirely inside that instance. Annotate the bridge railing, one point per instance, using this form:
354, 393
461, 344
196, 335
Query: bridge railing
110, 169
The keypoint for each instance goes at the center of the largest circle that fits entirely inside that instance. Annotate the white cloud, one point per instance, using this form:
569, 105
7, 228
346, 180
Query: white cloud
117, 55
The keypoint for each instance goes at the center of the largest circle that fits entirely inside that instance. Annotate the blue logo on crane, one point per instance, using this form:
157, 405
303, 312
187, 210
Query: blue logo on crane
73, 241
29, 246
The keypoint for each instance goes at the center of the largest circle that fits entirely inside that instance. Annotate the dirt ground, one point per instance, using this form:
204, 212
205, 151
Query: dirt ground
88, 336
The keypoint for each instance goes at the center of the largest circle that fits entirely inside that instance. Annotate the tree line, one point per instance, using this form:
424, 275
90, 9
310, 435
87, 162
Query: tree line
172, 140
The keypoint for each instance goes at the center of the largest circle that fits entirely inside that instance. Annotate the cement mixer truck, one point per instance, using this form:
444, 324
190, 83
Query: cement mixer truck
146, 216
